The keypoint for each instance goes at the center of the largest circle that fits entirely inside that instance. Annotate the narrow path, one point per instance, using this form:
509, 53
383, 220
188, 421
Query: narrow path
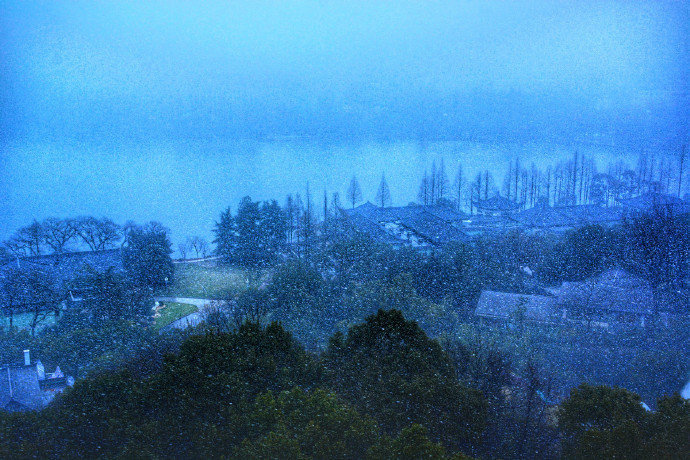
191, 320
190, 300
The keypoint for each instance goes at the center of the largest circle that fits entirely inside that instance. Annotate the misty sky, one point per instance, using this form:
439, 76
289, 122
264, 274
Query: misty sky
129, 109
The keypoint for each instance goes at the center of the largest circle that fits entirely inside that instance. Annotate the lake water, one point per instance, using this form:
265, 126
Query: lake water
186, 185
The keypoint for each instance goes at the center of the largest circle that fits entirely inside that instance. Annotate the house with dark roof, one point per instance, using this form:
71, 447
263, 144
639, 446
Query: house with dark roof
556, 219
496, 206
27, 386
615, 297
420, 227
652, 201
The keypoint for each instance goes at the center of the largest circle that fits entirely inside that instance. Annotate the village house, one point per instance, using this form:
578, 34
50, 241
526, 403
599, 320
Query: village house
543, 218
614, 299
420, 227
651, 202
496, 206
27, 386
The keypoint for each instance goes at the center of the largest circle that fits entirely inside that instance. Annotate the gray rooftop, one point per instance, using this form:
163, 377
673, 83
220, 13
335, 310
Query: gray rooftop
614, 290
417, 226
649, 201
19, 388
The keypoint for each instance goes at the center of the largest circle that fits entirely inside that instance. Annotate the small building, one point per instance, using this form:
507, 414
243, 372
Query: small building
650, 202
27, 386
557, 219
419, 227
615, 297
496, 206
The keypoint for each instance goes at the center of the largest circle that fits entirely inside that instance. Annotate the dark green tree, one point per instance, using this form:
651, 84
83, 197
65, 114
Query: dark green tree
146, 255
389, 368
226, 236
255, 236
112, 296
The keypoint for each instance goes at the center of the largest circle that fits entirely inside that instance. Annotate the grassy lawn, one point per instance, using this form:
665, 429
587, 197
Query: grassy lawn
23, 321
172, 312
210, 282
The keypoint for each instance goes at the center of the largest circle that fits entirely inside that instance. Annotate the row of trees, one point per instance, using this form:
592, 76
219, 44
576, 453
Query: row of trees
196, 244
118, 288
56, 236
569, 182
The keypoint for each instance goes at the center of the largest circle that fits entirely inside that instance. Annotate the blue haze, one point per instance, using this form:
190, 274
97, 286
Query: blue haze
173, 110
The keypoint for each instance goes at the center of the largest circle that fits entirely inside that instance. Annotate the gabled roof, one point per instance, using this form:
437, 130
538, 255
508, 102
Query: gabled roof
544, 217
589, 214
19, 388
497, 203
614, 290
649, 201
409, 225
481, 223
507, 305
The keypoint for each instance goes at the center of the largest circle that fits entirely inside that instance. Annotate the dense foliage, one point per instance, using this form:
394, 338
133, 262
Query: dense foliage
146, 255
254, 392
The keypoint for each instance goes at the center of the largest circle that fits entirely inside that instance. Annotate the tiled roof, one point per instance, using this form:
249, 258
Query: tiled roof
497, 203
409, 225
547, 217
648, 201
614, 290
19, 388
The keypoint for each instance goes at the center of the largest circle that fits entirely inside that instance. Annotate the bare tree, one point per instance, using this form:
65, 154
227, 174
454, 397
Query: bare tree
459, 186
198, 245
441, 181
57, 233
354, 192
27, 241
681, 165
99, 234
182, 249
252, 305
424, 190
383, 195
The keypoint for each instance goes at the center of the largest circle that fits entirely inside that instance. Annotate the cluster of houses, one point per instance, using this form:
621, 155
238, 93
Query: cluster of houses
27, 386
611, 300
427, 227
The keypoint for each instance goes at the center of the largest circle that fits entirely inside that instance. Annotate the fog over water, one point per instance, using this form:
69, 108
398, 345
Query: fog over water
172, 111
187, 185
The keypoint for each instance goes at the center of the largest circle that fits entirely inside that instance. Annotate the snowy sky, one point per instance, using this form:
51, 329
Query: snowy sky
89, 88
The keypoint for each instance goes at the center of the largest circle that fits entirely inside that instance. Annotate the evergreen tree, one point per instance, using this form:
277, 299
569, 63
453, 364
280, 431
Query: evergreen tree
146, 255
255, 236
225, 235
